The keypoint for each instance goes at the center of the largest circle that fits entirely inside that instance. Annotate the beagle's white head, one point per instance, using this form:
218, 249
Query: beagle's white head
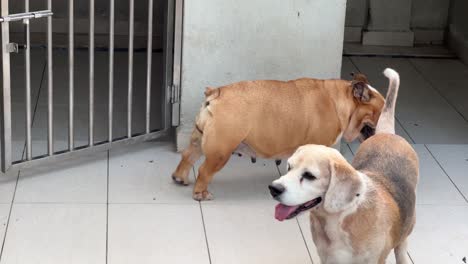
317, 176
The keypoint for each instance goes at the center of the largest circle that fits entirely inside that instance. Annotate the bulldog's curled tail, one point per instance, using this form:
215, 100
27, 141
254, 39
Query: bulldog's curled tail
386, 123
205, 111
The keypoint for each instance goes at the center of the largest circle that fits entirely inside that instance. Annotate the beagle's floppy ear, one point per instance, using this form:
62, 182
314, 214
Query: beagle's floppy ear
345, 186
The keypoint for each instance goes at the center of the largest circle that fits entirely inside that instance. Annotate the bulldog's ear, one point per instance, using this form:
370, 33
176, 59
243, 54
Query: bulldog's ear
361, 91
345, 186
209, 91
359, 77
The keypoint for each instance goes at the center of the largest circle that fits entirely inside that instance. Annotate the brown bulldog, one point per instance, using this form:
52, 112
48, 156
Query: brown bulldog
271, 119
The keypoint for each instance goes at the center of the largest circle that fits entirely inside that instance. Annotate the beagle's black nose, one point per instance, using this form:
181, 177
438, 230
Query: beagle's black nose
276, 189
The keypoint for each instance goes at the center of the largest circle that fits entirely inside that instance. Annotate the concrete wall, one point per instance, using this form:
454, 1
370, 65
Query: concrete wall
429, 19
430, 14
458, 29
459, 17
356, 19
256, 39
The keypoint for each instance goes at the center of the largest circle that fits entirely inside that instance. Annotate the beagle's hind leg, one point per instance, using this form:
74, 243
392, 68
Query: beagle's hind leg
401, 253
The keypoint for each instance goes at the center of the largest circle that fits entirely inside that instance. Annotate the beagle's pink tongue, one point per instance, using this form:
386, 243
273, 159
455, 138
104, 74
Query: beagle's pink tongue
283, 211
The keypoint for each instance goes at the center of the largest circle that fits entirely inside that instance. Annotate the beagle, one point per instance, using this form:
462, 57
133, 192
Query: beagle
358, 212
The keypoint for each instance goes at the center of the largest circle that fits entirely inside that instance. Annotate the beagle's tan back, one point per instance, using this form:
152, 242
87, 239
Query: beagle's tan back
394, 156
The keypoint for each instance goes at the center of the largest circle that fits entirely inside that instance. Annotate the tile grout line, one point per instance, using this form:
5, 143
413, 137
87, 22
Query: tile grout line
404, 129
354, 64
38, 94
107, 207
305, 243
35, 108
204, 231
412, 261
398, 121
278, 169
350, 149
440, 165
203, 222
437, 90
18, 174
9, 217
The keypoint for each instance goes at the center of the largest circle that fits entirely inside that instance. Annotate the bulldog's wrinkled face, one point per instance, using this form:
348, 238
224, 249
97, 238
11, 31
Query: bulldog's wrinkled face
304, 185
369, 104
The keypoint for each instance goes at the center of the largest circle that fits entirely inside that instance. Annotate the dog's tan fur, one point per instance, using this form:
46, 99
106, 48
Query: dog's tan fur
376, 221
271, 119
368, 207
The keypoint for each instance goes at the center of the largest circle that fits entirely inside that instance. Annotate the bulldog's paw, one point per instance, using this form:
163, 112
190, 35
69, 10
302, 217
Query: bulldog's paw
203, 196
180, 181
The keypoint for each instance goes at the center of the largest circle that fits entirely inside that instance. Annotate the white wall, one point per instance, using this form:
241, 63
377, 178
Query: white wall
458, 29
256, 39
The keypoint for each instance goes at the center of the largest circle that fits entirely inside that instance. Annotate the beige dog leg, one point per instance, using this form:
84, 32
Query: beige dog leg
189, 157
401, 253
218, 143
210, 166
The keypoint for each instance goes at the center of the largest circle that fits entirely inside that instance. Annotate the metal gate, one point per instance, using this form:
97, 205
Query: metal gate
171, 82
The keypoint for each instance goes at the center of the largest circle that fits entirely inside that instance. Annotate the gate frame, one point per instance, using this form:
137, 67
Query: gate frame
5, 116
171, 81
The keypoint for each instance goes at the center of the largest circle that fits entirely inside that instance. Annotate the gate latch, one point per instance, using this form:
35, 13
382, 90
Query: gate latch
175, 94
12, 47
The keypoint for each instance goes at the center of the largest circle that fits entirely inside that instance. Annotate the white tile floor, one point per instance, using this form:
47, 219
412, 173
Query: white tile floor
122, 207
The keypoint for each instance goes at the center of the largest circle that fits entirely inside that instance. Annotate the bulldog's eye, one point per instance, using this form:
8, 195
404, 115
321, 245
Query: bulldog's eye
308, 176
289, 167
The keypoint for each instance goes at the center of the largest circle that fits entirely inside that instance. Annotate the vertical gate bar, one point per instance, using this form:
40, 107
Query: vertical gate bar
27, 64
148, 67
130, 68
50, 98
71, 75
5, 114
176, 76
111, 67
168, 62
91, 73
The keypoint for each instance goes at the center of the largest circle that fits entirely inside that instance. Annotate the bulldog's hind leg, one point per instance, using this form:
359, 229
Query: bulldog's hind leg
217, 150
189, 157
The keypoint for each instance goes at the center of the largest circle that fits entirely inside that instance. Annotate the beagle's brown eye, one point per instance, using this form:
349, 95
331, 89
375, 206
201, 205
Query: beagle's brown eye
308, 176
